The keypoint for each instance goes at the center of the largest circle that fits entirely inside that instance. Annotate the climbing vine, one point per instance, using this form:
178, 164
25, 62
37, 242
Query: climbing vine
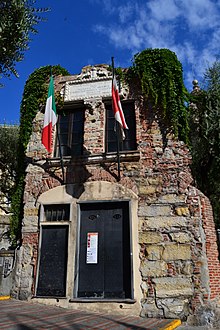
34, 98
160, 76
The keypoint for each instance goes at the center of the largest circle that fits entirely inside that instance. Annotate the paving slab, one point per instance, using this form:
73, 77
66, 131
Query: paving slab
23, 315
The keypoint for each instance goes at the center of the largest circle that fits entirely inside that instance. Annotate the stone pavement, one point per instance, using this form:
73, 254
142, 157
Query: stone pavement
23, 315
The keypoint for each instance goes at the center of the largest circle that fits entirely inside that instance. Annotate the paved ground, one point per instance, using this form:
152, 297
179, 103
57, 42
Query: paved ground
187, 327
21, 315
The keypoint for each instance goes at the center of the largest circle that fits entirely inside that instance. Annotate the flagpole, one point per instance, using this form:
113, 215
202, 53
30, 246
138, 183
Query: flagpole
60, 152
58, 138
117, 130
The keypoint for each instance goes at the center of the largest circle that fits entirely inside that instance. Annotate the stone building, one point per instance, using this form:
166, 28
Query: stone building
144, 244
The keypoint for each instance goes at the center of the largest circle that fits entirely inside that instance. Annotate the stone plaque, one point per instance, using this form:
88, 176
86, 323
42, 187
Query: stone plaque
87, 89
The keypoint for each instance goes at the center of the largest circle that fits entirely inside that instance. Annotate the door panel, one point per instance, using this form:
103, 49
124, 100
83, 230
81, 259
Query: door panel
114, 253
89, 280
53, 262
110, 277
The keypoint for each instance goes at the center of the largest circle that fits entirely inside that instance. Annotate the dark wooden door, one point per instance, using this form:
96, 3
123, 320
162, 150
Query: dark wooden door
104, 251
53, 262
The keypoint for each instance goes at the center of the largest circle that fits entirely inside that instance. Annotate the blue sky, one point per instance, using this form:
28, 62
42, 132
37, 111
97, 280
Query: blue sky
78, 33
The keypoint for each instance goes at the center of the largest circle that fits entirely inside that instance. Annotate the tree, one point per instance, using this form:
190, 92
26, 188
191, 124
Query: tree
205, 137
18, 19
8, 163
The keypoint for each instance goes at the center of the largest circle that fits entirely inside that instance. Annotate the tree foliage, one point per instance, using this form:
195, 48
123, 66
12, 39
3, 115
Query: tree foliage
8, 163
18, 19
205, 137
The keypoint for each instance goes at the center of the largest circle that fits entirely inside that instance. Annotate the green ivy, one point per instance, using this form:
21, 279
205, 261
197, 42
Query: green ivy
161, 80
34, 98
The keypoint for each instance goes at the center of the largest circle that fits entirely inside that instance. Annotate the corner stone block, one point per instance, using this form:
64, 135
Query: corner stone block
168, 287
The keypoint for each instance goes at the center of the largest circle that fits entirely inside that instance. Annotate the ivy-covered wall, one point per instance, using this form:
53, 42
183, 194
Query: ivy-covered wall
33, 100
160, 77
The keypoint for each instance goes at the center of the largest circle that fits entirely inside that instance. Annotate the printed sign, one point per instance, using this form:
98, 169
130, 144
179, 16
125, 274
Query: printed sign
92, 248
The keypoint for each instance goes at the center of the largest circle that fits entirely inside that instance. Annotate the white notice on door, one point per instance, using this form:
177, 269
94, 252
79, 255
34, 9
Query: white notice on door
92, 248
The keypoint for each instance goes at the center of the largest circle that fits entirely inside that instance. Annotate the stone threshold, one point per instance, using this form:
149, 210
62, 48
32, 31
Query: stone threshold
98, 300
48, 297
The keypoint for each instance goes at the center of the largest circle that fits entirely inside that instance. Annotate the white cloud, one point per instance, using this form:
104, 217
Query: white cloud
125, 12
163, 10
200, 14
189, 28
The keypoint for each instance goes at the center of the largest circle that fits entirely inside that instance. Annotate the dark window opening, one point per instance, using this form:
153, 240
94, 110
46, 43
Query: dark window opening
129, 143
58, 212
70, 133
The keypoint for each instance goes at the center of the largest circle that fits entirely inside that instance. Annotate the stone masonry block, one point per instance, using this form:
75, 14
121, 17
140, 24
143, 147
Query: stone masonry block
147, 190
155, 210
174, 307
166, 287
30, 224
34, 169
154, 252
147, 237
172, 198
31, 211
153, 269
155, 181
176, 252
157, 223
180, 237
182, 210
149, 309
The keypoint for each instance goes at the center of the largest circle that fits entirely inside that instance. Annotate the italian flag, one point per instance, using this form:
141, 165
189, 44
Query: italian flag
116, 103
50, 117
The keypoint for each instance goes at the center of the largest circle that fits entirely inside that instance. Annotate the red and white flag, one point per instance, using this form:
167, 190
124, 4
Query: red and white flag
50, 117
116, 103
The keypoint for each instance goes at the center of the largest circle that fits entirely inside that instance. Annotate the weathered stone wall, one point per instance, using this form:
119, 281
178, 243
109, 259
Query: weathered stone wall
178, 252
4, 231
7, 257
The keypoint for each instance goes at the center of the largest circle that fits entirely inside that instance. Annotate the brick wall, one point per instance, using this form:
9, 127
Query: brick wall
211, 247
